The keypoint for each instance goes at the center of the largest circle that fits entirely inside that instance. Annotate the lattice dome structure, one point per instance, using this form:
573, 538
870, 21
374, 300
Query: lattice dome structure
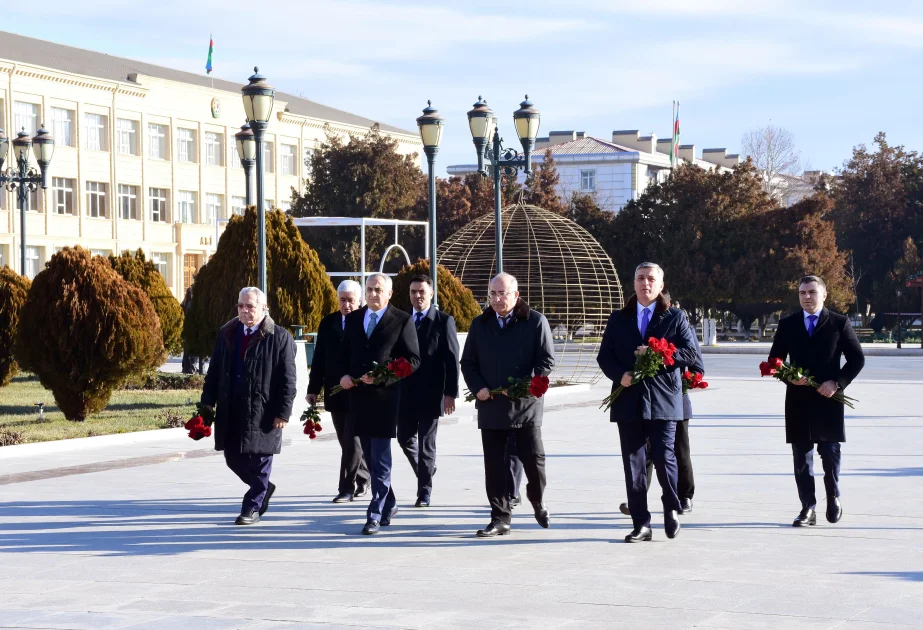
563, 273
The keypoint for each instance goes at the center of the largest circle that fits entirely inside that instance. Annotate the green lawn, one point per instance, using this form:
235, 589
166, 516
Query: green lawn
128, 410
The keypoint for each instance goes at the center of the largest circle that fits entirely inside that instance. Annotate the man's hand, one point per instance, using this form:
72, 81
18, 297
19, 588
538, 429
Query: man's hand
803, 381
626, 379
827, 389
279, 423
311, 399
484, 394
368, 379
448, 405
347, 382
640, 349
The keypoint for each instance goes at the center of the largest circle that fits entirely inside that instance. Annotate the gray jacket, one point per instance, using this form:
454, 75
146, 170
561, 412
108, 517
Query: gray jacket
492, 355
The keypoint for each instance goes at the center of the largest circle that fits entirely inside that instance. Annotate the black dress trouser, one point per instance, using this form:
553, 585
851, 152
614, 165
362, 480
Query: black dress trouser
353, 470
496, 467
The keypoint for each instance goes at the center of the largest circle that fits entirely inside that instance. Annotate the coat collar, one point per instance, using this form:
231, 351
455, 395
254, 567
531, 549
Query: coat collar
520, 311
267, 327
631, 307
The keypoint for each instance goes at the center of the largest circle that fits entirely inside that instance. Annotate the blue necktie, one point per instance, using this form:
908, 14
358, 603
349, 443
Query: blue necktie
645, 320
811, 320
373, 319
419, 317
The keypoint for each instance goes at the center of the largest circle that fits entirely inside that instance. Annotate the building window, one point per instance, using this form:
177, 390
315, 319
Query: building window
128, 202
157, 142
33, 203
214, 152
588, 180
185, 206
96, 200
288, 159
159, 204
105, 253
162, 263
285, 205
185, 145
3, 261
33, 258
94, 126
26, 116
63, 126
213, 208
267, 157
238, 205
127, 136
269, 204
63, 190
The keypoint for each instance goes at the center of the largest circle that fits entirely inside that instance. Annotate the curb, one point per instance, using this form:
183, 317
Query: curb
764, 351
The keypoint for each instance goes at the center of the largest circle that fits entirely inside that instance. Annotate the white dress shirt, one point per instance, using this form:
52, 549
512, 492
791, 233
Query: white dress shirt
649, 307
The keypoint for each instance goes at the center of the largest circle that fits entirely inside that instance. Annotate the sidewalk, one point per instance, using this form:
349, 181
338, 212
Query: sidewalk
762, 348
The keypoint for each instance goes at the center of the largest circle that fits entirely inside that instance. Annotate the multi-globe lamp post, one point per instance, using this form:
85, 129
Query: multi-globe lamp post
431, 125
246, 151
258, 96
20, 177
489, 145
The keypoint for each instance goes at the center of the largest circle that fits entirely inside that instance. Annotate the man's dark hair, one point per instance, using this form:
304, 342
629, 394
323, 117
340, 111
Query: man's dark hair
422, 277
810, 279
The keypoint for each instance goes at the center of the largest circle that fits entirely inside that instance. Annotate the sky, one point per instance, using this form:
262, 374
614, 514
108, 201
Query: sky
833, 73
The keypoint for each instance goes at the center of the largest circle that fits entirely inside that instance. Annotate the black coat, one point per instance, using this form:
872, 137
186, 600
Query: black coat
698, 367
423, 391
809, 417
374, 408
492, 355
268, 380
325, 366
661, 396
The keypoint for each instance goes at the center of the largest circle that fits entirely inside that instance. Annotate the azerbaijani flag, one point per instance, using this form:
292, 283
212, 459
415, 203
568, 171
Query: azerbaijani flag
211, 50
674, 154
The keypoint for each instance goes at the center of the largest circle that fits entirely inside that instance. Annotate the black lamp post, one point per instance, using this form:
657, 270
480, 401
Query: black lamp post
488, 144
431, 124
22, 178
899, 319
246, 151
258, 96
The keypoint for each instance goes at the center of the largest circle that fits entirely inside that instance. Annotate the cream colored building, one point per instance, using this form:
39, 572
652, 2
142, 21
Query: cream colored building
144, 155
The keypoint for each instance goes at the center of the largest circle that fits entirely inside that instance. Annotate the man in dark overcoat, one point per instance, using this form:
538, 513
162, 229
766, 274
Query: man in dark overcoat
376, 333
354, 474
650, 408
508, 340
251, 386
816, 339
432, 389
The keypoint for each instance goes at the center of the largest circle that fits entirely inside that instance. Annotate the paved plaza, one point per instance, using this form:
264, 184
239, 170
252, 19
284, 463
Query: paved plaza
141, 535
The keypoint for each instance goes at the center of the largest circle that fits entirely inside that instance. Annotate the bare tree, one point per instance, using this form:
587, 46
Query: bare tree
772, 150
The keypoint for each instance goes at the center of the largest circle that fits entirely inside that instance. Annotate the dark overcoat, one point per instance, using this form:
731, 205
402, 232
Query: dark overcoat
268, 382
374, 408
809, 417
421, 398
661, 396
325, 372
698, 367
492, 355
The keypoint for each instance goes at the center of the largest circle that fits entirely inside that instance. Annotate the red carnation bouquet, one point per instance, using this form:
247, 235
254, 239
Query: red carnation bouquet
790, 373
658, 354
311, 419
200, 424
387, 374
534, 386
693, 381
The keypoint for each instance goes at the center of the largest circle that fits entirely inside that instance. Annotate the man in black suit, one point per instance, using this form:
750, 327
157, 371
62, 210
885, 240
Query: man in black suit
354, 474
650, 408
376, 333
815, 339
431, 390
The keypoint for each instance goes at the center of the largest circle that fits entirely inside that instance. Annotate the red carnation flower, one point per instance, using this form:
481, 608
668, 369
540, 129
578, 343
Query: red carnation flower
775, 363
313, 436
538, 386
765, 370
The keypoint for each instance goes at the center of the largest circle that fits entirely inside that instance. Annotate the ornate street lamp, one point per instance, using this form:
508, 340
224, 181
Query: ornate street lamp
22, 178
246, 151
488, 144
431, 125
258, 96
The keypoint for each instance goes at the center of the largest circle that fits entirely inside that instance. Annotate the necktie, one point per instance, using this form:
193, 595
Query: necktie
419, 317
811, 320
645, 320
505, 321
373, 319
244, 342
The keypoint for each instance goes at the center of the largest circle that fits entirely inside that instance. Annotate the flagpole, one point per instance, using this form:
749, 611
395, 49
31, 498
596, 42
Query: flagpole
672, 133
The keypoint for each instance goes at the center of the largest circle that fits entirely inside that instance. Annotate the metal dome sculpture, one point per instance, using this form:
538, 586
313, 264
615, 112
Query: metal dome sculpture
563, 273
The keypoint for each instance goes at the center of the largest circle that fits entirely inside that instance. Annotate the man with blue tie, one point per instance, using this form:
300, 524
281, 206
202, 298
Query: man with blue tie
816, 339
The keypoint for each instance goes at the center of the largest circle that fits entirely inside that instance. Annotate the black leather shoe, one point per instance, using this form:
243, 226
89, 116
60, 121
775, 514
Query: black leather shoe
386, 520
371, 528
834, 510
267, 497
687, 506
361, 491
623, 508
671, 523
807, 517
639, 534
515, 501
250, 517
541, 515
422, 502
496, 528
343, 497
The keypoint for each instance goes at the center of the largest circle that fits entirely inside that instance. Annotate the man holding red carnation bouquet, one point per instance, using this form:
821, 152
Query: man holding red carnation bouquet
815, 339
648, 408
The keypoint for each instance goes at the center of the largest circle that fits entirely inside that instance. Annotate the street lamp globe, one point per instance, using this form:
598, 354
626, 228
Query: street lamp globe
480, 121
21, 145
527, 120
258, 96
246, 143
43, 147
431, 125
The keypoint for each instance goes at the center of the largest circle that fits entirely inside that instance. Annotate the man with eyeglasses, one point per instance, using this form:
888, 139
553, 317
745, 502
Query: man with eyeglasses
507, 340
376, 333
251, 386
